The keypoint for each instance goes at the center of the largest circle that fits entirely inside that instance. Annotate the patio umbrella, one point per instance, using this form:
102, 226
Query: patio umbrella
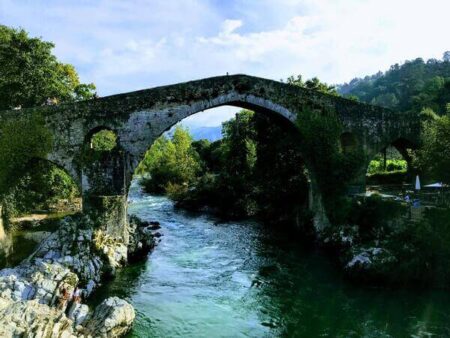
417, 182
434, 185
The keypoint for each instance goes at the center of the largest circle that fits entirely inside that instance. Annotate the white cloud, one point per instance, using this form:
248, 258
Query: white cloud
229, 26
123, 46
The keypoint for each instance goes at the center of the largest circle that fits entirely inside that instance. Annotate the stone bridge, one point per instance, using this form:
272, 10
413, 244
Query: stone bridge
139, 118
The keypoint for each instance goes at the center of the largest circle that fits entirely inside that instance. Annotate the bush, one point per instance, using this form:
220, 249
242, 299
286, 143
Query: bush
41, 185
423, 250
377, 166
374, 216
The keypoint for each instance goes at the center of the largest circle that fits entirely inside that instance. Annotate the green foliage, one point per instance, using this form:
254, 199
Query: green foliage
238, 144
313, 84
104, 140
21, 140
280, 175
409, 87
433, 156
333, 168
172, 161
422, 250
30, 74
42, 185
255, 170
377, 166
373, 216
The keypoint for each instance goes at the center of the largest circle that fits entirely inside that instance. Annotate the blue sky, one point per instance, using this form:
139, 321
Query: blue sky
128, 45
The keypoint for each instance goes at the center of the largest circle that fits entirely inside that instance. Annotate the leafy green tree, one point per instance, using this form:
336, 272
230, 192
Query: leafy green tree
280, 175
42, 186
433, 155
313, 84
412, 86
173, 162
238, 144
30, 74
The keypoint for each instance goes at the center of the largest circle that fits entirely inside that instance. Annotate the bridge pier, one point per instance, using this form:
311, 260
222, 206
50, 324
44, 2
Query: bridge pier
104, 193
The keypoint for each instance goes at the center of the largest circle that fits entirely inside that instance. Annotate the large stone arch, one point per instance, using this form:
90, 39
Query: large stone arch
140, 131
140, 117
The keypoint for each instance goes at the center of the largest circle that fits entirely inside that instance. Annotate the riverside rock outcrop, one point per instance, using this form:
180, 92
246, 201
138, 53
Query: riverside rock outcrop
35, 296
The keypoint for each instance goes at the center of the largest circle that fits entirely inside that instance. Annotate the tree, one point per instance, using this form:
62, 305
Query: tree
170, 161
433, 156
186, 161
313, 84
411, 86
446, 56
30, 74
238, 144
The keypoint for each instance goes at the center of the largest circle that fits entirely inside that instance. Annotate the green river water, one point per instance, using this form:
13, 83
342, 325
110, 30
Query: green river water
240, 279
209, 279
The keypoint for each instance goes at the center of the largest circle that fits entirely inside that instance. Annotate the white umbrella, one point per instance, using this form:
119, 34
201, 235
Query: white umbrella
417, 182
434, 185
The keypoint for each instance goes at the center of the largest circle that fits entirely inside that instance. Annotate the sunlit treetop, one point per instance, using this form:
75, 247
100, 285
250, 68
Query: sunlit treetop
30, 75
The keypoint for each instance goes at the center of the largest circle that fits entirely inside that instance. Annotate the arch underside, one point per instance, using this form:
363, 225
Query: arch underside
144, 127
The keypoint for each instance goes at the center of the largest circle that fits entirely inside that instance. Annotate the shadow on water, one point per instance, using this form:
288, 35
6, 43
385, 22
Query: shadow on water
241, 279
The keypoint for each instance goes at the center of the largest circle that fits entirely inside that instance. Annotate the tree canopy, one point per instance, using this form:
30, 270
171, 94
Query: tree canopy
412, 86
30, 74
433, 156
314, 84
170, 161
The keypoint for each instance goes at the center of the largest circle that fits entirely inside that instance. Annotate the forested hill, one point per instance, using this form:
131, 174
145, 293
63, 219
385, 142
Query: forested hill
414, 85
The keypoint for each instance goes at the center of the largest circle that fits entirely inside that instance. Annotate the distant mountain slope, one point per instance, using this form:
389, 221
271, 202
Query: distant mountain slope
411, 86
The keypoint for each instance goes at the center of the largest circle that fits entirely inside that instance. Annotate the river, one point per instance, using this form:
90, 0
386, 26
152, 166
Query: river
208, 278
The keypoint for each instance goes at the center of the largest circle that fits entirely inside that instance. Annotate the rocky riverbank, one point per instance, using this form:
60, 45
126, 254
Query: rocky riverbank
35, 296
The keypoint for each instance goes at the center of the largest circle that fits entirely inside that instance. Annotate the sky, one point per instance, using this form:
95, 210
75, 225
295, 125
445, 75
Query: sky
128, 45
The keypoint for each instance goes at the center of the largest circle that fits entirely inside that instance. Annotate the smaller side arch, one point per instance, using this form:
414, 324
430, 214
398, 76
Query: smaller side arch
89, 137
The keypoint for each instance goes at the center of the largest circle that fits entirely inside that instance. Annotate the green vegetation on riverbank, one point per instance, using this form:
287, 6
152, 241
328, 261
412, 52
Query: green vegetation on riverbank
382, 244
32, 76
255, 170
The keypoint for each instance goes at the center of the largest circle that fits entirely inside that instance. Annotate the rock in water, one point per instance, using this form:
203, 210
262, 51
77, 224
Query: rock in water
112, 318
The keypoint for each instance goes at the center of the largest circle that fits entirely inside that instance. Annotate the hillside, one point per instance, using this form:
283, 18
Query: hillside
411, 86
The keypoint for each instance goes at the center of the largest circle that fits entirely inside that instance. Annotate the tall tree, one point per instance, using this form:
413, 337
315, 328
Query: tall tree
170, 161
433, 156
30, 74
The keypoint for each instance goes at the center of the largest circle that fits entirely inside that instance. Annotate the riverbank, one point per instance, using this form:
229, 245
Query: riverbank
375, 241
76, 256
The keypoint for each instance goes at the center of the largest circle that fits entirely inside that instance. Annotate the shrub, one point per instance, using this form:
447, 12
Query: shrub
377, 166
41, 185
423, 250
